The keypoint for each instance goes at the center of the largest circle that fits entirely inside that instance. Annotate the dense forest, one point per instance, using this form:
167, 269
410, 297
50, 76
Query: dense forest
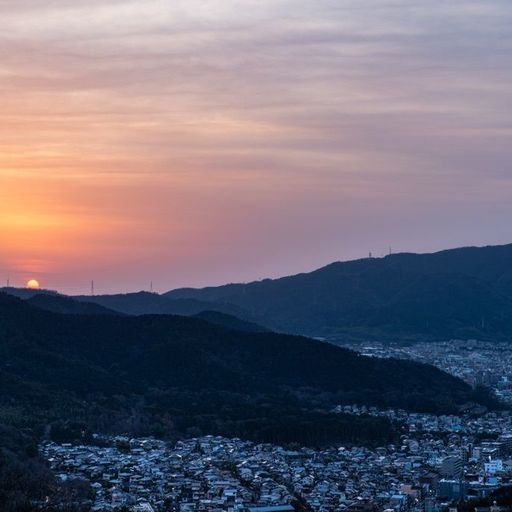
111, 355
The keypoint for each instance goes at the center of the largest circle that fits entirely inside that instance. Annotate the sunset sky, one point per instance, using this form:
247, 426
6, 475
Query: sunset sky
195, 142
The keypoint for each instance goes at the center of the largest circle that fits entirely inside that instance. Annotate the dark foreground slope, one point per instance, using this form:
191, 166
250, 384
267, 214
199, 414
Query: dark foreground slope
462, 293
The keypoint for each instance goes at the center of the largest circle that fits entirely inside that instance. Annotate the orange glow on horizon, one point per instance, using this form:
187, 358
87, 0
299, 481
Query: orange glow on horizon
196, 146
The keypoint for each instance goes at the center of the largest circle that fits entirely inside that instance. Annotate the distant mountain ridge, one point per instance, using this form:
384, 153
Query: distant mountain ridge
135, 303
67, 305
458, 293
461, 293
146, 303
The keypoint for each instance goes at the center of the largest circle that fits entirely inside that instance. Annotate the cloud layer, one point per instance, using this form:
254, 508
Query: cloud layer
199, 141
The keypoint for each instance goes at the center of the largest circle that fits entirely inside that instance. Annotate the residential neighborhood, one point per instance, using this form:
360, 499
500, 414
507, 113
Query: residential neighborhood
479, 363
438, 461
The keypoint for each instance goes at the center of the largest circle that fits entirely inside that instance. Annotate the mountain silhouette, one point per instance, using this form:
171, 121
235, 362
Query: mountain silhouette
460, 293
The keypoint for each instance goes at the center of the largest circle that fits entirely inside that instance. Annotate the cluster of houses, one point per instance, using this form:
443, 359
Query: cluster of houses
476, 362
425, 471
491, 424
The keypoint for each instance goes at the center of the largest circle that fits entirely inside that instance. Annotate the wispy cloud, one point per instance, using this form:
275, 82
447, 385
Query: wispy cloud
272, 132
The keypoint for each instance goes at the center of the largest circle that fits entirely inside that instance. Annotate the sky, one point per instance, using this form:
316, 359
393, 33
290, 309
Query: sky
198, 142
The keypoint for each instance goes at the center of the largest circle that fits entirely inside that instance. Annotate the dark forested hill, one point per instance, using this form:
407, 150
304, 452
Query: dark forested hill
460, 293
46, 355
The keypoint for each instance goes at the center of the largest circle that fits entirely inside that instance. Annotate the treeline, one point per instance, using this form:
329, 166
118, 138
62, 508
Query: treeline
26, 482
179, 414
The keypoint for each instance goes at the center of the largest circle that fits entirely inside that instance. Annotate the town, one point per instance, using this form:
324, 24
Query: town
479, 363
438, 461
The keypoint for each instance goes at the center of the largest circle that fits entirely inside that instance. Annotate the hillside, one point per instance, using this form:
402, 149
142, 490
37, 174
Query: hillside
230, 322
67, 305
460, 293
26, 293
145, 303
202, 372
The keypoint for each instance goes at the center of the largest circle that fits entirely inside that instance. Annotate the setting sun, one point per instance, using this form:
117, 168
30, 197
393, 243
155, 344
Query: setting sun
33, 285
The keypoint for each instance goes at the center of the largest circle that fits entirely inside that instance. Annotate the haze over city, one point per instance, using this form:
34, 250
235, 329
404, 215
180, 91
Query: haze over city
196, 142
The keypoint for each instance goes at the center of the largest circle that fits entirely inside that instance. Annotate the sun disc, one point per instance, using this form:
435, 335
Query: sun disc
33, 285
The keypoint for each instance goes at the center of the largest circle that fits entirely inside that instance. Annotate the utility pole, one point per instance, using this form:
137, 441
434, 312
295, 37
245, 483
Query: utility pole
92, 288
